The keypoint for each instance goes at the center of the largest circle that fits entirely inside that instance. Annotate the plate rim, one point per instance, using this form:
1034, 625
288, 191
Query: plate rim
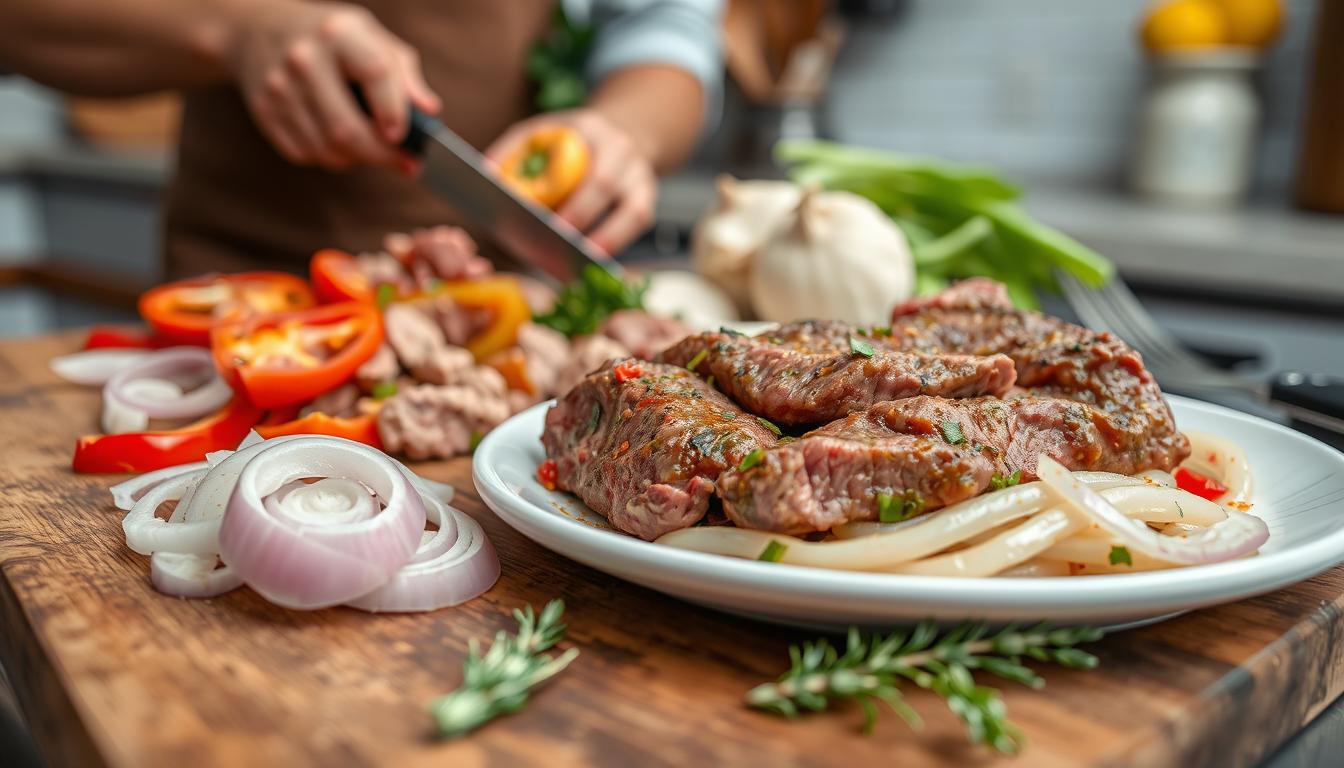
1218, 582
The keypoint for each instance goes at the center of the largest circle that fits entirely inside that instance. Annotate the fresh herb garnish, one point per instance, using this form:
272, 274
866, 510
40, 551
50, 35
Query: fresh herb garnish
773, 552
585, 303
710, 380
730, 331
1120, 556
476, 437
785, 440
751, 459
698, 359
998, 482
498, 681
384, 389
870, 669
1178, 509
769, 425
860, 347
893, 508
952, 433
881, 330
386, 293
729, 415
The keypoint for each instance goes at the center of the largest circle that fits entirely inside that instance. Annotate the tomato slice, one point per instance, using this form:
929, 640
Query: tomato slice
361, 429
336, 278
146, 451
184, 311
1198, 484
292, 357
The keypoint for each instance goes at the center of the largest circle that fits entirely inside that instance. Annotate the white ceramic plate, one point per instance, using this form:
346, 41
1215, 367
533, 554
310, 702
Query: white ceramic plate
1299, 491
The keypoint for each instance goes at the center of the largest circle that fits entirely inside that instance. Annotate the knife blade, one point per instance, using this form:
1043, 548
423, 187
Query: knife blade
455, 171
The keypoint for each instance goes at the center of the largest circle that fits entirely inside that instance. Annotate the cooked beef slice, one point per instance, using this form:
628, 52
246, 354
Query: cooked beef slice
817, 371
1056, 359
642, 443
840, 472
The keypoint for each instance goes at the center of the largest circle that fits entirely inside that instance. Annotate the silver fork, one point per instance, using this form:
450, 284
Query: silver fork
1314, 398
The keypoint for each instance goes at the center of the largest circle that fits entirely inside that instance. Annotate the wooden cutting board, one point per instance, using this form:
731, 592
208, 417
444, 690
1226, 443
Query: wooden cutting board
109, 671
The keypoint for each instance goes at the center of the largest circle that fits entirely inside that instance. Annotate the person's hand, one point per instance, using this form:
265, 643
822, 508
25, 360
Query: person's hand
614, 203
295, 61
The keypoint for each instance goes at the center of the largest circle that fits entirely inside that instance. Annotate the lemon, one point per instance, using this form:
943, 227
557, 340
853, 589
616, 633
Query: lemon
1182, 25
1253, 23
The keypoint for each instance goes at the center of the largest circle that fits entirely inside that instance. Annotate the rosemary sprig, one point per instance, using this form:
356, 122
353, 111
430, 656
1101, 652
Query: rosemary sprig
498, 682
871, 669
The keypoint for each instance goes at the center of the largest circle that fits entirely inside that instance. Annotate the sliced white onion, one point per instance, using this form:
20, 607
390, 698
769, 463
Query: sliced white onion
125, 493
1239, 534
301, 560
94, 367
118, 417
147, 533
186, 366
1015, 545
191, 576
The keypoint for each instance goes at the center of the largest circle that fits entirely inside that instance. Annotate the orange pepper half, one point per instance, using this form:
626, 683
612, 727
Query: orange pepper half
548, 165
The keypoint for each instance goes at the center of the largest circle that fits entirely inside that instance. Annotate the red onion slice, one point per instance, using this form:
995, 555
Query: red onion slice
300, 559
94, 367
191, 576
1240, 534
185, 366
126, 493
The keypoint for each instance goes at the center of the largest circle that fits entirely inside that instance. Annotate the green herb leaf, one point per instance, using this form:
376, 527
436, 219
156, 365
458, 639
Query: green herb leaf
384, 389
729, 331
769, 425
998, 482
860, 347
751, 459
387, 292
1120, 556
952, 433
476, 438
890, 509
710, 380
729, 415
582, 305
498, 681
773, 552
698, 359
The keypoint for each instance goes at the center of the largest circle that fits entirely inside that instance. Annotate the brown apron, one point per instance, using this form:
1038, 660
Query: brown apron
236, 204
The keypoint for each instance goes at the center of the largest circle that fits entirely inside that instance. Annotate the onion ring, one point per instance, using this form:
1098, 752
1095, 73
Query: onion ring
94, 367
185, 366
190, 576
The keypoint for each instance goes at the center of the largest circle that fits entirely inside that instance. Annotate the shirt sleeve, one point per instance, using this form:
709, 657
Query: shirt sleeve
680, 33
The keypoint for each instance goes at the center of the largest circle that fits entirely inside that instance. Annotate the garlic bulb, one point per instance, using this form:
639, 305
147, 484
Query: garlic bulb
745, 214
690, 298
841, 258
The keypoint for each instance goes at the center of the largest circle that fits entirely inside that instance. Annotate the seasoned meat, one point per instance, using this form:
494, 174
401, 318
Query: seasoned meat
384, 269
421, 347
586, 354
430, 421
546, 351
438, 253
642, 443
840, 472
1056, 359
340, 402
382, 367
813, 372
643, 334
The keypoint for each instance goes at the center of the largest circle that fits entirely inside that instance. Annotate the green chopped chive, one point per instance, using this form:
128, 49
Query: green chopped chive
698, 359
773, 552
999, 482
729, 331
386, 293
384, 389
881, 330
893, 508
952, 433
860, 347
476, 438
769, 425
785, 440
1120, 556
710, 380
751, 459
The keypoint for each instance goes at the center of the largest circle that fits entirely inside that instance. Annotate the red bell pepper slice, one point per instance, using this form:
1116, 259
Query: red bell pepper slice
116, 337
292, 357
336, 278
1198, 484
146, 451
183, 312
361, 429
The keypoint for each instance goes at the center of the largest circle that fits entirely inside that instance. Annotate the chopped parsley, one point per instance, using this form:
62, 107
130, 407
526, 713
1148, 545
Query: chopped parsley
860, 347
384, 389
751, 459
386, 293
893, 508
710, 380
1178, 509
729, 331
582, 305
594, 418
773, 552
729, 415
476, 438
786, 440
952, 433
769, 425
999, 482
698, 359
880, 330
1120, 556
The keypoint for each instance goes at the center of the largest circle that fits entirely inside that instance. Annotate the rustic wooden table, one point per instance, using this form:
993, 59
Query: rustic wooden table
109, 671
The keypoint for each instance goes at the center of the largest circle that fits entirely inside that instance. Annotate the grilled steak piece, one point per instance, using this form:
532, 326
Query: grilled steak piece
817, 371
642, 443
1056, 359
841, 472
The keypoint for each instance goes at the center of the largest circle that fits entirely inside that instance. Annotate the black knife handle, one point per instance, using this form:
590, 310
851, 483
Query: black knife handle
1313, 392
418, 127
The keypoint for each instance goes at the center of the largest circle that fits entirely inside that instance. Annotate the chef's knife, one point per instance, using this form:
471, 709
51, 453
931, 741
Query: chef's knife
455, 171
